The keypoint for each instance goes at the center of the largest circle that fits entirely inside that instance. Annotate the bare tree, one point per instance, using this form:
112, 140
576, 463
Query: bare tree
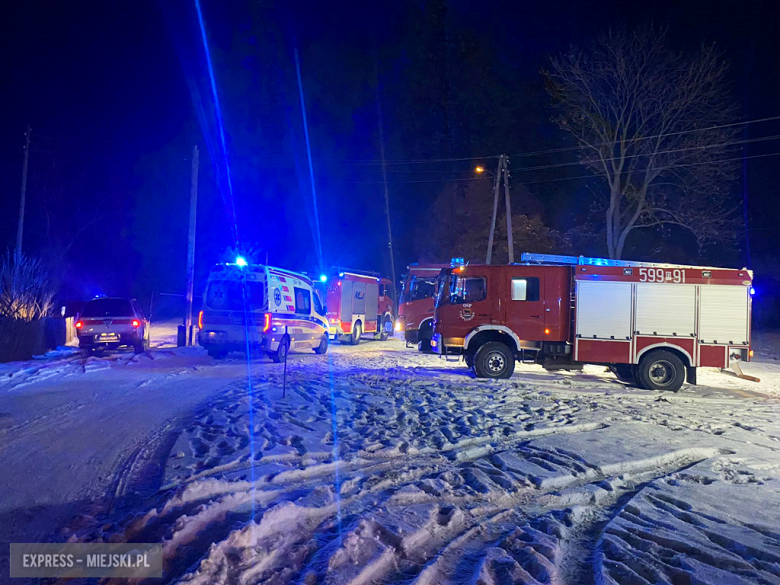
657, 126
26, 289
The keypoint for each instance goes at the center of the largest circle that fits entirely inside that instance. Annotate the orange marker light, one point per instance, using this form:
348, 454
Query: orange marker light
751, 353
200, 320
267, 323
547, 332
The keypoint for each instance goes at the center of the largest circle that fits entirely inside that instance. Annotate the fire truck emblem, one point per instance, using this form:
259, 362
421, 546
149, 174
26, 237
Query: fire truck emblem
466, 314
277, 297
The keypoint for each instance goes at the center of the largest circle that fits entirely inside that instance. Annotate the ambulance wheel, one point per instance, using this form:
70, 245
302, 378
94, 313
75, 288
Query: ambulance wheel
494, 360
661, 370
357, 333
323, 346
280, 354
217, 352
387, 326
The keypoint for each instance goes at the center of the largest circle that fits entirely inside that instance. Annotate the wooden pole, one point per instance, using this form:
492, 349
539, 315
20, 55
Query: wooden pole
191, 245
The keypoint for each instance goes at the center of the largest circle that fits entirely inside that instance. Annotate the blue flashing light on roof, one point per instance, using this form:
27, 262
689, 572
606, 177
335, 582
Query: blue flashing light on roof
341, 275
457, 262
323, 278
241, 261
752, 291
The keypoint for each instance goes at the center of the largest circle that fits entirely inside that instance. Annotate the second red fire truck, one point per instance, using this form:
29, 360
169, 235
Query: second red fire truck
415, 308
652, 324
358, 303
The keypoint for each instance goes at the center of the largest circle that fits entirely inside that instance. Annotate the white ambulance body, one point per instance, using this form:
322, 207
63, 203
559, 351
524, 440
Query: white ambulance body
255, 307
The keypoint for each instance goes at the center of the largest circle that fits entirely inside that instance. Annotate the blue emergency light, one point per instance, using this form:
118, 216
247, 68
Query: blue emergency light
752, 291
323, 278
241, 261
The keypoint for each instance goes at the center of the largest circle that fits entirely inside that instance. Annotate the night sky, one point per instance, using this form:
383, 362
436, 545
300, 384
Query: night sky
117, 94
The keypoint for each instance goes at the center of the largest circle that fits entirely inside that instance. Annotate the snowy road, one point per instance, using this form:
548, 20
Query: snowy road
384, 465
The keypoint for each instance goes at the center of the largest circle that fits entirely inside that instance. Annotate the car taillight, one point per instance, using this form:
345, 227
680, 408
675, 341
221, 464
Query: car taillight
136, 323
200, 320
267, 322
79, 324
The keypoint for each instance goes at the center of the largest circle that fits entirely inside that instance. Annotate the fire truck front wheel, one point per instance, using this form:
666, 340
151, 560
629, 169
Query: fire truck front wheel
357, 333
494, 360
661, 370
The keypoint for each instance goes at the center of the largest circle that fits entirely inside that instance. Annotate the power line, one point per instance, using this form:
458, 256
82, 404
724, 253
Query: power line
590, 176
705, 146
663, 135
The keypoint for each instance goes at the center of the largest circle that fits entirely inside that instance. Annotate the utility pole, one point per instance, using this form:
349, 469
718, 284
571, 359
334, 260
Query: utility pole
384, 173
20, 229
495, 209
510, 240
191, 245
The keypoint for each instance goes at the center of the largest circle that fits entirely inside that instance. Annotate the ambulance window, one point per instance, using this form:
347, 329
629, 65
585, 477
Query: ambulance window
525, 289
302, 301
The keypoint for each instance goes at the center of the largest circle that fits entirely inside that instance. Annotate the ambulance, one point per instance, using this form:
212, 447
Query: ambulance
251, 307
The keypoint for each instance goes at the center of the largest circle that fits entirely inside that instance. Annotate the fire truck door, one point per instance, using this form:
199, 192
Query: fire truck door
523, 303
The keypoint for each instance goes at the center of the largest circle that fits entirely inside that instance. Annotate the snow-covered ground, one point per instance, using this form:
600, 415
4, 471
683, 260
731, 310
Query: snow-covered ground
385, 465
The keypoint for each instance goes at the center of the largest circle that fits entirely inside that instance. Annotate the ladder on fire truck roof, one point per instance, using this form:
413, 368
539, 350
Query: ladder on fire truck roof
341, 270
529, 258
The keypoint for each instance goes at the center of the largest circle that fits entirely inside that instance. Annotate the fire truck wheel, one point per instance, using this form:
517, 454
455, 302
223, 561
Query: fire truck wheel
387, 327
357, 333
280, 354
323, 346
624, 373
661, 370
494, 360
468, 357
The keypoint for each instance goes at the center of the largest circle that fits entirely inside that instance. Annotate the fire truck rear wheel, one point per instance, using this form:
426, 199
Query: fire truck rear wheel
387, 327
661, 370
323, 346
357, 333
494, 360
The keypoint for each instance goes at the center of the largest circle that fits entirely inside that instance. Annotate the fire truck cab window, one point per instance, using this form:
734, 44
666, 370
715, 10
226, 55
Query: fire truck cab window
302, 301
467, 290
525, 289
422, 289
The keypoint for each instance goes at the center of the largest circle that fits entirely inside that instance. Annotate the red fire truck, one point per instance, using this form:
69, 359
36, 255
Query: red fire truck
357, 303
415, 309
652, 324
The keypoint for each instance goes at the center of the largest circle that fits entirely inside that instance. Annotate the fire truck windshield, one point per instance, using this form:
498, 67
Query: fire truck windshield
442, 287
417, 288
